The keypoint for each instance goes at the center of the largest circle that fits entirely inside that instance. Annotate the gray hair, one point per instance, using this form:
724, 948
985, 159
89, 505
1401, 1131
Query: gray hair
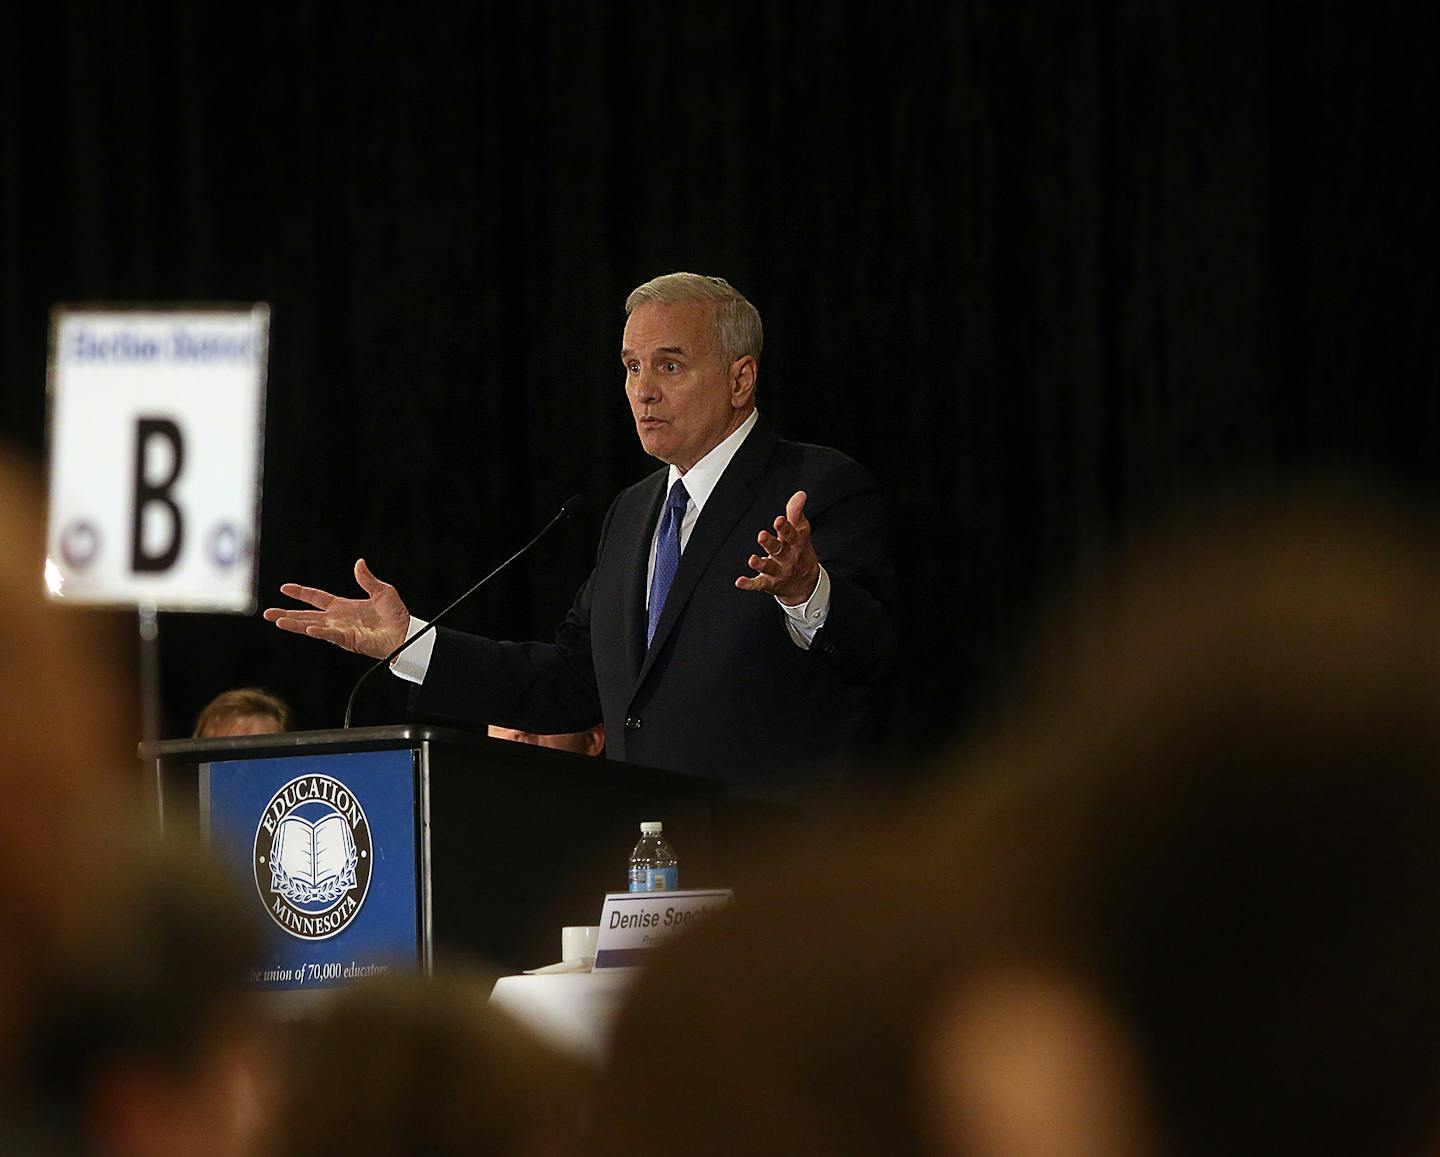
738, 332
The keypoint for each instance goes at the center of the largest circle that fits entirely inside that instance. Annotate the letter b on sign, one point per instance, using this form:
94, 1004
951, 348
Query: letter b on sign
159, 458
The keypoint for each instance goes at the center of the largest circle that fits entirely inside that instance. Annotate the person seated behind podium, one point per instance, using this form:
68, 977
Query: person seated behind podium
588, 742
243, 711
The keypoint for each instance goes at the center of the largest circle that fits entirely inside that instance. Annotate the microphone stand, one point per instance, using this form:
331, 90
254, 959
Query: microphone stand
570, 507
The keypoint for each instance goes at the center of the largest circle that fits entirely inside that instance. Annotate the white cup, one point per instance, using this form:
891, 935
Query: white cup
577, 942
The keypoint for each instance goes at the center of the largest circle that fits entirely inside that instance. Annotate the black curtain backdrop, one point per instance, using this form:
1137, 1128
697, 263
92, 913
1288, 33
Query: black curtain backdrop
1049, 269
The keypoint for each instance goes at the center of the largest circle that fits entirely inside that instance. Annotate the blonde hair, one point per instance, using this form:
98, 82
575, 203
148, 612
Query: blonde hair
738, 332
239, 703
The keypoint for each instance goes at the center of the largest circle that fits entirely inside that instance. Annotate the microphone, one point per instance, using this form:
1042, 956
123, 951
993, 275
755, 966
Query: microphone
571, 506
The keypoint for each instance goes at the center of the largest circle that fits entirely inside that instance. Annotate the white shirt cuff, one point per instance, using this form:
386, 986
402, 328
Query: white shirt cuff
804, 621
412, 663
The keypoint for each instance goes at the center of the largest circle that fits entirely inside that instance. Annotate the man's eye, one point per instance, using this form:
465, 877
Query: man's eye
672, 367
632, 367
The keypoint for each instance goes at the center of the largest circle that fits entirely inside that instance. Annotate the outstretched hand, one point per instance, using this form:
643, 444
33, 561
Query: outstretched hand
789, 568
374, 625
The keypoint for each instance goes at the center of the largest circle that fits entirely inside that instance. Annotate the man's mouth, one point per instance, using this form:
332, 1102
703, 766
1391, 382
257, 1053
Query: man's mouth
650, 420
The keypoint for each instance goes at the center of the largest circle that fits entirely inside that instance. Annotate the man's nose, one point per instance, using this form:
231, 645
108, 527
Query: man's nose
646, 386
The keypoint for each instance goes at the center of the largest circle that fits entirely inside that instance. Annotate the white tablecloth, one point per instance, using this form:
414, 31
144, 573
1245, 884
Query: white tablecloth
571, 1010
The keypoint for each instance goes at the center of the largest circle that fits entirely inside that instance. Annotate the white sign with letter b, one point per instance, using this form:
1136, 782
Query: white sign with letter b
155, 420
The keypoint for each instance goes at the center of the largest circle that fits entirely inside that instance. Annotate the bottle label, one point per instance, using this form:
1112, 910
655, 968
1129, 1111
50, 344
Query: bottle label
654, 879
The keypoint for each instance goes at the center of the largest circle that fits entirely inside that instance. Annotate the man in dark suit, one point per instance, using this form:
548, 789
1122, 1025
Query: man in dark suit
691, 664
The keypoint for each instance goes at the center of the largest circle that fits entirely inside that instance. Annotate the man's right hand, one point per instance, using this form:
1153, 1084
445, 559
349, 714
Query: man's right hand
374, 625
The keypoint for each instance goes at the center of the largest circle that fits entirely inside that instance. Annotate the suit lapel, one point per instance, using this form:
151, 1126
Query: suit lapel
733, 495
636, 570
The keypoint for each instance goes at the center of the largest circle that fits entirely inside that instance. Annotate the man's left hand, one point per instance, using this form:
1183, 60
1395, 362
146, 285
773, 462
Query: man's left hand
789, 568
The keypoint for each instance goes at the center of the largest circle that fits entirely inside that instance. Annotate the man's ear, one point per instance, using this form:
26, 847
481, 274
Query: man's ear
595, 740
743, 372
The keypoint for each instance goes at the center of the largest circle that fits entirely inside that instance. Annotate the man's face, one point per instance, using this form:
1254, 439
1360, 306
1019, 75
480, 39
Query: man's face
685, 398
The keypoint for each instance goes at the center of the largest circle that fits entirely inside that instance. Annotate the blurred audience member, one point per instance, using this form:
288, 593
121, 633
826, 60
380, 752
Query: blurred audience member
146, 1045
1212, 918
243, 711
1184, 900
408, 1066
590, 742
789, 1023
67, 779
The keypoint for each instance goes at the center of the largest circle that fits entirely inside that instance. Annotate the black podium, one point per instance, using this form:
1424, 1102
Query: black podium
510, 842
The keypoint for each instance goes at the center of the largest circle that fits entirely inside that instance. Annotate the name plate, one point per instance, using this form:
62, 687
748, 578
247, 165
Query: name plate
633, 924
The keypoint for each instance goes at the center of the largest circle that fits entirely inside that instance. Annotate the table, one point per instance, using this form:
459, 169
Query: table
573, 1011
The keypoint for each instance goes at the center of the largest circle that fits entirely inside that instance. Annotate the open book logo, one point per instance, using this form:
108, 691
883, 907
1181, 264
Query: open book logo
313, 857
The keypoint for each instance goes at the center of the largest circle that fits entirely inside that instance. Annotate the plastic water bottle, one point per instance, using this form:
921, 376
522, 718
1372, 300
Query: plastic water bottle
653, 866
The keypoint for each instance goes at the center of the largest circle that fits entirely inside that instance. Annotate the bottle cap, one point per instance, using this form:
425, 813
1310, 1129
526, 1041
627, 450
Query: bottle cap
651, 827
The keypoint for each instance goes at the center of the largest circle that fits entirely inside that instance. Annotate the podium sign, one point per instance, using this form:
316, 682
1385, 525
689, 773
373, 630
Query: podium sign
327, 846
155, 420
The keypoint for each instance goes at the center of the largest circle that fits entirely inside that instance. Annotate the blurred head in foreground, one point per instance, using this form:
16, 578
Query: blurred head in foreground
243, 711
589, 742
406, 1066
67, 770
146, 1043
1186, 900
1212, 922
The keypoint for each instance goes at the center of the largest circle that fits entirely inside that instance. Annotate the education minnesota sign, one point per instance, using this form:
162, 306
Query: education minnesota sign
329, 845
312, 857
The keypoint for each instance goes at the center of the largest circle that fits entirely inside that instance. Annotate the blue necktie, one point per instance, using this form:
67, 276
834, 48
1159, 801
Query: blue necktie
667, 555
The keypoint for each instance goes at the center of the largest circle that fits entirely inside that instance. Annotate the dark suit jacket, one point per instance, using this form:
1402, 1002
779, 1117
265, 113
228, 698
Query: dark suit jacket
723, 690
